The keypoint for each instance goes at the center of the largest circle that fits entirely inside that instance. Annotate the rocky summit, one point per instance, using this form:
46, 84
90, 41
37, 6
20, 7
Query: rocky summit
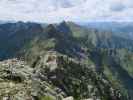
53, 77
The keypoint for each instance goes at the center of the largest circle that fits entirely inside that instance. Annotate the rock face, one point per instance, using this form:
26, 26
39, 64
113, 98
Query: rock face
53, 77
14, 80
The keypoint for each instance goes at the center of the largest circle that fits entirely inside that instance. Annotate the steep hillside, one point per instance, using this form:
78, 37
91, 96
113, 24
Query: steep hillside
53, 39
13, 36
54, 77
100, 38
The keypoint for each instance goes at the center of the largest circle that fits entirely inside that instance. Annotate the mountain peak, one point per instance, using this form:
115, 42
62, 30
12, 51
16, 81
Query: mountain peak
64, 28
63, 23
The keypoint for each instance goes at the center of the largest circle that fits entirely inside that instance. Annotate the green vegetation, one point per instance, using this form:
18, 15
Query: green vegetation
84, 57
46, 98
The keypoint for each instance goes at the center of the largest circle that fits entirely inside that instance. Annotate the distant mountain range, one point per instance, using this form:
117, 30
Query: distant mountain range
123, 29
15, 35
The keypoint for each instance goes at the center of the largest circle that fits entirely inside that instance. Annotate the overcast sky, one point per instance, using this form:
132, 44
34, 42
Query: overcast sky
70, 10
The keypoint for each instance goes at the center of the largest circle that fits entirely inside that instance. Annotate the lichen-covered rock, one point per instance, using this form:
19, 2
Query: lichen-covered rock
15, 70
18, 81
15, 80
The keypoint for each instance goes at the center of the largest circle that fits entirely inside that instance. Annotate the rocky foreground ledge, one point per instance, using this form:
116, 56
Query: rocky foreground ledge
53, 77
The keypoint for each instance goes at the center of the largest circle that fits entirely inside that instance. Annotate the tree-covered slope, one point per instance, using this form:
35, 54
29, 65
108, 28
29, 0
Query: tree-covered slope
13, 36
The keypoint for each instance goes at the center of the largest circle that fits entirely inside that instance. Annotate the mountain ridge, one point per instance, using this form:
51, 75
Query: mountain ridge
109, 56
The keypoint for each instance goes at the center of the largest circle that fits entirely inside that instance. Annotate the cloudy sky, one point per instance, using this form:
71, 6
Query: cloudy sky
70, 10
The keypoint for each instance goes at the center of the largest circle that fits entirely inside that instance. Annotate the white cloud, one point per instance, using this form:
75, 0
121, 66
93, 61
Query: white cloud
72, 10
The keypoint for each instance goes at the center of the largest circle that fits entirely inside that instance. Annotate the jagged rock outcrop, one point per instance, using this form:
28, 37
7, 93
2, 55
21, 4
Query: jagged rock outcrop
53, 77
18, 82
